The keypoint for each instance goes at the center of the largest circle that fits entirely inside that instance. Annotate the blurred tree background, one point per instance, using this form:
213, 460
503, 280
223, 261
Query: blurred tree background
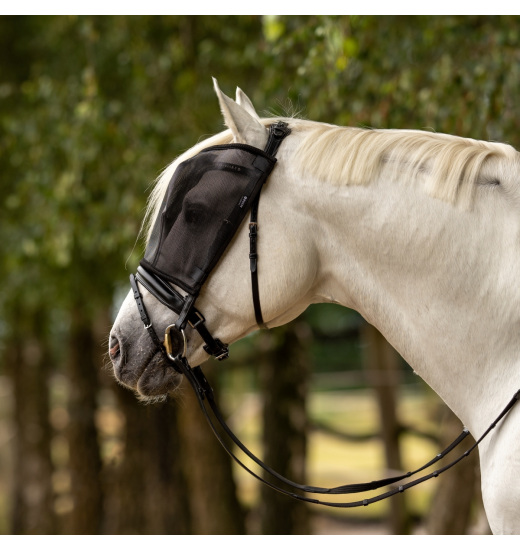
91, 109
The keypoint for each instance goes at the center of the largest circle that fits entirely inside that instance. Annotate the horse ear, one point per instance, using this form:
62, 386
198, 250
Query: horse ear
245, 127
246, 103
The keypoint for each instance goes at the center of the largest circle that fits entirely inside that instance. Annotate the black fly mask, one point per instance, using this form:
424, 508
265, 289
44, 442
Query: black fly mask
205, 203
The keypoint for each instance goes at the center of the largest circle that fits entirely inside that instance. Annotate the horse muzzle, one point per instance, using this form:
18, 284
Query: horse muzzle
144, 368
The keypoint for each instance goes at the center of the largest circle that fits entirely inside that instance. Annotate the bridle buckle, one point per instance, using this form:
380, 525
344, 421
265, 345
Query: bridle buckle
198, 321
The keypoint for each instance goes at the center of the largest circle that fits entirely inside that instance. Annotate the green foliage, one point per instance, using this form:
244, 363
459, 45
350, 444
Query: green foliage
92, 108
99, 108
454, 74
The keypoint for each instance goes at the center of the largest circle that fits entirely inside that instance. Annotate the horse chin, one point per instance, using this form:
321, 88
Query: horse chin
157, 380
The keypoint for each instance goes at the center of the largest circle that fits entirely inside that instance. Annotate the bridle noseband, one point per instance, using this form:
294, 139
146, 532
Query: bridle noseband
175, 338
168, 296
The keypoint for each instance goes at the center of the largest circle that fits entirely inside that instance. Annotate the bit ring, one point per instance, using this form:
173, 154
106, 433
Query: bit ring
168, 343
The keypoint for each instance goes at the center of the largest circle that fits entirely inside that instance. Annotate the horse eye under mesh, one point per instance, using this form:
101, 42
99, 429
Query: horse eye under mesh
207, 199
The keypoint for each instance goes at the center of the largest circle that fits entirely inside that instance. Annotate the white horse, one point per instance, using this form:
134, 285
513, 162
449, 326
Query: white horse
418, 232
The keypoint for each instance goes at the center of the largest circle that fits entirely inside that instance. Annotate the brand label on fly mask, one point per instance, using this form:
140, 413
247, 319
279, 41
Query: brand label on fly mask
206, 200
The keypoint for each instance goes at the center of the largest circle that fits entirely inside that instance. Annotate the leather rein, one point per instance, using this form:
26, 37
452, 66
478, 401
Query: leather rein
165, 293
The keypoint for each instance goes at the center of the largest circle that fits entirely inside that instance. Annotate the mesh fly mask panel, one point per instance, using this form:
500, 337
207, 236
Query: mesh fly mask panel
206, 201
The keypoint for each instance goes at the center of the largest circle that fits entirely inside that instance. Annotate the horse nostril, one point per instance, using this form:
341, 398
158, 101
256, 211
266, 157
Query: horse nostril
114, 350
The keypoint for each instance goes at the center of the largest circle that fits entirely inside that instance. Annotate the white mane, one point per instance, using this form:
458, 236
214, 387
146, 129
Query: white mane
340, 155
452, 166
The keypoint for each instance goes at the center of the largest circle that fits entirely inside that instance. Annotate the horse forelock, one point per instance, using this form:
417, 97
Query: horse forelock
450, 166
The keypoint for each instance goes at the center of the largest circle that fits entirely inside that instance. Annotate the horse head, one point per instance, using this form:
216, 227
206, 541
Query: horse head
225, 298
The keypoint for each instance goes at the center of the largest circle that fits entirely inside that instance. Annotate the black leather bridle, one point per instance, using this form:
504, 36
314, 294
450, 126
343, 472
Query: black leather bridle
175, 338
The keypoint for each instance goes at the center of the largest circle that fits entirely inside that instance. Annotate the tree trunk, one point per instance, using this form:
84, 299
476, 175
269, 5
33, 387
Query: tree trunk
28, 363
214, 505
284, 386
168, 496
84, 454
150, 496
456, 489
382, 368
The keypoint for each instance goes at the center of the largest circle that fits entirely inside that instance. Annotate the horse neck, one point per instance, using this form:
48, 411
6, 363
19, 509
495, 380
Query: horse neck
438, 282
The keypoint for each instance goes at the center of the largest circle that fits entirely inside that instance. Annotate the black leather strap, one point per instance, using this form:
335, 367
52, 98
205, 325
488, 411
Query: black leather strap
253, 263
277, 133
204, 392
144, 314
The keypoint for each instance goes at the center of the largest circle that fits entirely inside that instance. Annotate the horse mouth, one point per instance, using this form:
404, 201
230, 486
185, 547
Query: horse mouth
149, 373
159, 378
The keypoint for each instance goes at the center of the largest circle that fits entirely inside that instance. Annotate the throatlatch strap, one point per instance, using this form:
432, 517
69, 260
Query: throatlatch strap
277, 133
